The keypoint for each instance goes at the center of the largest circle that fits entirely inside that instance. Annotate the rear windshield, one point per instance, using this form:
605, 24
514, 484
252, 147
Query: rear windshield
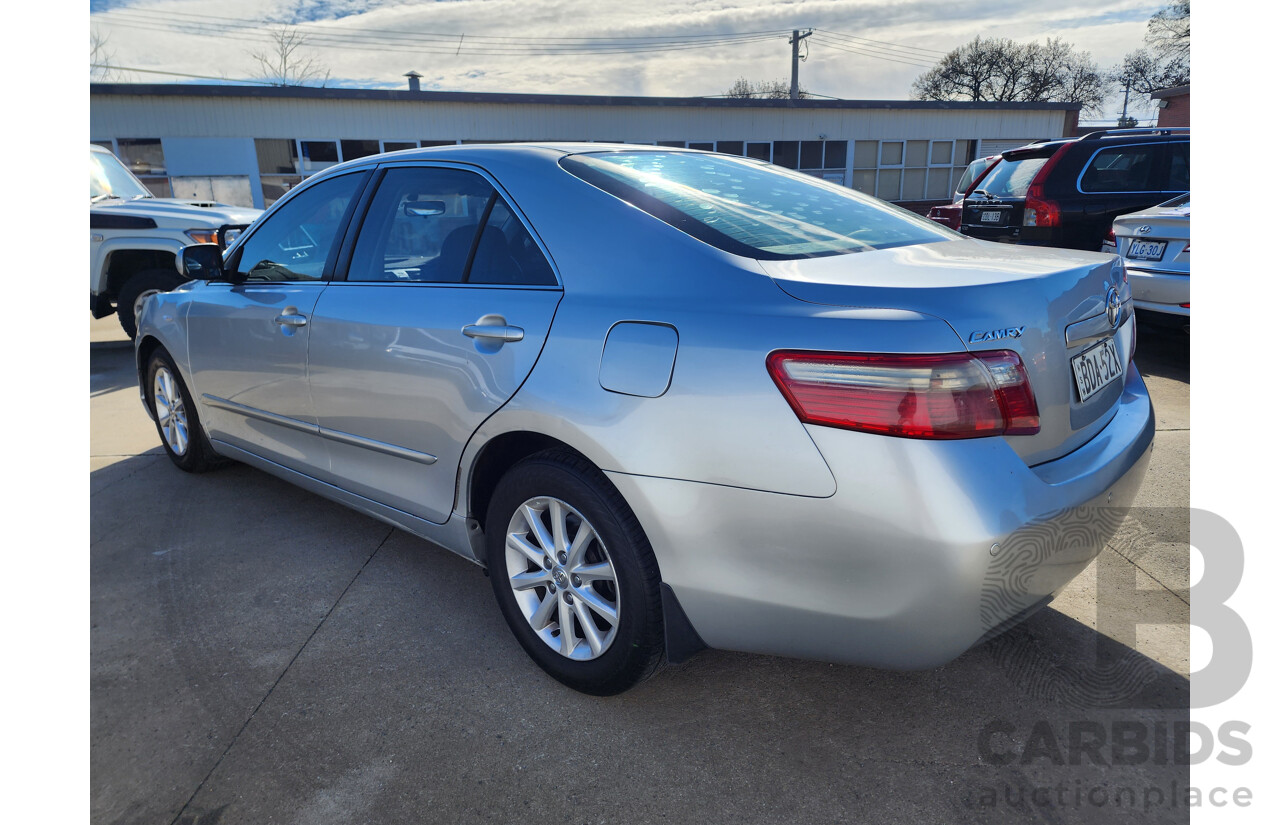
1011, 178
752, 209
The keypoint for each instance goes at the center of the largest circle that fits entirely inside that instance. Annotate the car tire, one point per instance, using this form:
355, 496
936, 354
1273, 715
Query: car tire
142, 284
177, 422
584, 576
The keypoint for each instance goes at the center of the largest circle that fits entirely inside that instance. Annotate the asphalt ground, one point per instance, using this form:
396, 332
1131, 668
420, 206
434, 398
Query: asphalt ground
262, 655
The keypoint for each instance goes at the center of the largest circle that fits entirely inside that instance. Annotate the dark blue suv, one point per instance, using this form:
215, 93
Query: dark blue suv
1067, 192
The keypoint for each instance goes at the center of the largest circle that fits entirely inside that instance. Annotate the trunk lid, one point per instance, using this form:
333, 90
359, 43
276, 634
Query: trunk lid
995, 297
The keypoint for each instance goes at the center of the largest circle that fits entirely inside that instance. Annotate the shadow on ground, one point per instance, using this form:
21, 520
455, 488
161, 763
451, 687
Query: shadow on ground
261, 654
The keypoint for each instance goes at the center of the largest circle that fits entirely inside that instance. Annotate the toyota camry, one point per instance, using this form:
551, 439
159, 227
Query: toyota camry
669, 399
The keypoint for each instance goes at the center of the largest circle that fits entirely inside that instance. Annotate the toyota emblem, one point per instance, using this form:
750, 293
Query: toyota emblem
1113, 305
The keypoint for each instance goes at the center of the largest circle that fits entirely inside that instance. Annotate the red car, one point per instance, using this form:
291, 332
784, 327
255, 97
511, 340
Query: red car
949, 214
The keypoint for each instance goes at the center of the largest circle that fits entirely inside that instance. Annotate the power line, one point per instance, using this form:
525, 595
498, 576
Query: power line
831, 44
176, 74
427, 43
883, 44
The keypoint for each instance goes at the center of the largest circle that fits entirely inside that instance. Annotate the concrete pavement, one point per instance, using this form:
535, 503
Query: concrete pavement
260, 654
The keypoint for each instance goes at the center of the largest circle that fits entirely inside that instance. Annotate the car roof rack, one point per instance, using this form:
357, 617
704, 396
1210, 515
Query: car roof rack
1151, 130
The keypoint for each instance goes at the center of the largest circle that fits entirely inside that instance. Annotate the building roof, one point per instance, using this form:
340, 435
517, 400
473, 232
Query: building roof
1172, 91
405, 96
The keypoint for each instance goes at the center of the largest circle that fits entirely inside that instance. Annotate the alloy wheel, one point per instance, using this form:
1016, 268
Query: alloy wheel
171, 412
562, 577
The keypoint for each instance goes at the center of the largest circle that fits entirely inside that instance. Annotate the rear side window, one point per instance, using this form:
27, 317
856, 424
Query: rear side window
1179, 168
752, 209
421, 226
424, 225
1012, 178
1121, 169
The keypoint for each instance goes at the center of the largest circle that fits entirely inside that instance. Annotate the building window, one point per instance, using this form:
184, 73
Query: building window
428, 143
729, 147
787, 153
760, 151
318, 154
145, 159
352, 149
396, 145
675, 144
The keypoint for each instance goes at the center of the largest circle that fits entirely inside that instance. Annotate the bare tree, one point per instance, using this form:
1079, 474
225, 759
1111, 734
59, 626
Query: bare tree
1169, 32
100, 58
1003, 69
286, 60
763, 89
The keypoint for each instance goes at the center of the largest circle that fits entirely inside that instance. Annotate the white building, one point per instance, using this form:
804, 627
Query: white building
246, 145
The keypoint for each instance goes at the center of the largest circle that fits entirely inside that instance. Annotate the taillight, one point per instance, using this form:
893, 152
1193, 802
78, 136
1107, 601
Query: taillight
1111, 237
1039, 210
956, 395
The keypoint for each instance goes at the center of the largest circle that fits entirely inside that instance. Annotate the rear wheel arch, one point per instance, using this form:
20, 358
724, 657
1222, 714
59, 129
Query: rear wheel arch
495, 458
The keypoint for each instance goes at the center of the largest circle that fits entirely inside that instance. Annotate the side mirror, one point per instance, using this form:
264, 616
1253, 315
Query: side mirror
202, 261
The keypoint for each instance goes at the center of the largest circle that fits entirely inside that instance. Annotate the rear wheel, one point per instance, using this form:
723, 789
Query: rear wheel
176, 419
574, 575
137, 289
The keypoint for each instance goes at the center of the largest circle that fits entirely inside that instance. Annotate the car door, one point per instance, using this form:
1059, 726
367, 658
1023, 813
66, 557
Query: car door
445, 304
248, 340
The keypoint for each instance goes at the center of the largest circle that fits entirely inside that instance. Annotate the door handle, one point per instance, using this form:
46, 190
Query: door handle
291, 318
493, 328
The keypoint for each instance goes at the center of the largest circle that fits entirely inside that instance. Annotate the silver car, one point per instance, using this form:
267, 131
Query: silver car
1155, 245
670, 399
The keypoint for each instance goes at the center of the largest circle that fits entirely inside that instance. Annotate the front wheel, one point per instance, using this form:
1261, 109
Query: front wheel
574, 575
137, 289
177, 422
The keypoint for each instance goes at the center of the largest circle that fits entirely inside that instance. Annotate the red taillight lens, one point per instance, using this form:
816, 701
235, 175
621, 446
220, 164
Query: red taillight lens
1111, 237
956, 395
1040, 212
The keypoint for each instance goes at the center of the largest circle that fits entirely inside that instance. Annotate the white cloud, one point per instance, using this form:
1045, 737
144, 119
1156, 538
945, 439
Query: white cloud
137, 36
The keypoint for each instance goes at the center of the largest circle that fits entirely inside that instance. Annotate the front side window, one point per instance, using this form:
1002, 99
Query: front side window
751, 209
297, 240
1121, 169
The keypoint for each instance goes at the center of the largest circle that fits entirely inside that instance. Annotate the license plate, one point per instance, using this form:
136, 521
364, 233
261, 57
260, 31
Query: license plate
1095, 368
991, 217
1146, 250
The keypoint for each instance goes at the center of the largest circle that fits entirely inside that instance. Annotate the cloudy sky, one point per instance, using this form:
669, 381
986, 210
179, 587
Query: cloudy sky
870, 49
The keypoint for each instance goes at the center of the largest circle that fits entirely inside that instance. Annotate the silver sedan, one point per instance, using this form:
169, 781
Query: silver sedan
669, 399
1155, 245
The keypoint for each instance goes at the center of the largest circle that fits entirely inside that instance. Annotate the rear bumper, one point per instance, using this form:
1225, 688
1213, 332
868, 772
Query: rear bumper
1160, 291
925, 548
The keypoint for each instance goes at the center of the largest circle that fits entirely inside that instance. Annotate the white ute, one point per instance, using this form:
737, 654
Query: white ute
135, 238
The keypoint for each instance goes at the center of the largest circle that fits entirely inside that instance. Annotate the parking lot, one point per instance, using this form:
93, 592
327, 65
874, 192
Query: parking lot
260, 654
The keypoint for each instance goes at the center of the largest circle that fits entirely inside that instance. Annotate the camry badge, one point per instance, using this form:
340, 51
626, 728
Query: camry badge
1113, 305
978, 336
1144, 229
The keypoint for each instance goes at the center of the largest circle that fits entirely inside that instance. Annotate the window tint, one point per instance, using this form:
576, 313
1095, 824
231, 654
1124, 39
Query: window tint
1012, 178
296, 240
750, 209
420, 226
1179, 168
507, 253
1121, 169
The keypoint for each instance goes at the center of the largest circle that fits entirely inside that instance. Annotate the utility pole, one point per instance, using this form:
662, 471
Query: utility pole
796, 37
1125, 122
